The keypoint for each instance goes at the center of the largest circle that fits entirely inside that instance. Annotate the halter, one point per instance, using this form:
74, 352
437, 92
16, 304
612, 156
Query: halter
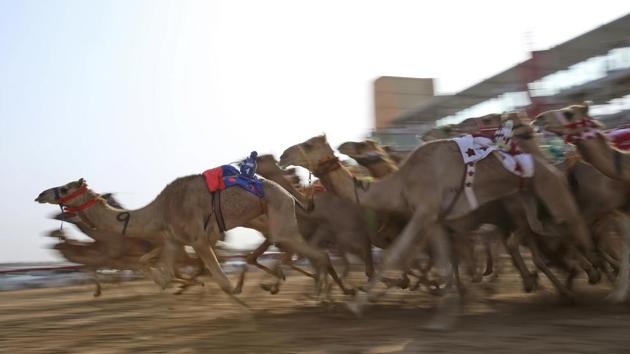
327, 166
79, 192
587, 122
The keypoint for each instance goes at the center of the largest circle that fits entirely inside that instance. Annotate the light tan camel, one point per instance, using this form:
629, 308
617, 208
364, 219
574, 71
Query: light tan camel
111, 250
327, 219
377, 160
182, 214
495, 213
576, 126
428, 187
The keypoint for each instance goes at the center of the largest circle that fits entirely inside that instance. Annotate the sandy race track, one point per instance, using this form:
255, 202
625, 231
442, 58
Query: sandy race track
136, 317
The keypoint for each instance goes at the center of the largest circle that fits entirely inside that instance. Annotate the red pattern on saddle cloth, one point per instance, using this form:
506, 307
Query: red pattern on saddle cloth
214, 179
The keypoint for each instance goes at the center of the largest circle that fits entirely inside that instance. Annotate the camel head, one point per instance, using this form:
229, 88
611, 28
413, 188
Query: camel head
567, 121
521, 124
363, 150
485, 125
268, 168
309, 154
442, 132
268, 165
66, 194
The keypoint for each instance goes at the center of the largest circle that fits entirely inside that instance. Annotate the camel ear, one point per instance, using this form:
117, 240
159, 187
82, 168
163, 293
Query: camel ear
585, 106
81, 181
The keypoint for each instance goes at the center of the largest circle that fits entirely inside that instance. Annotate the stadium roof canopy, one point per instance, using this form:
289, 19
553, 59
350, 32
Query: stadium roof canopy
596, 42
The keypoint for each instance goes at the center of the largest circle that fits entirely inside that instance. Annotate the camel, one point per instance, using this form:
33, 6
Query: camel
327, 219
182, 214
428, 188
493, 213
576, 126
336, 222
377, 160
111, 250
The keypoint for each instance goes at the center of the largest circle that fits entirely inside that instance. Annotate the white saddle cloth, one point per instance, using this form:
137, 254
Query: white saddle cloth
474, 149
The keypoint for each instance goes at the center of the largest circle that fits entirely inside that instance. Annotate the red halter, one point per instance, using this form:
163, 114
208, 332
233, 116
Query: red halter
79, 192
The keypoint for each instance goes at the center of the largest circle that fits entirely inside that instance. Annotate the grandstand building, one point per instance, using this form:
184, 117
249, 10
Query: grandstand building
594, 66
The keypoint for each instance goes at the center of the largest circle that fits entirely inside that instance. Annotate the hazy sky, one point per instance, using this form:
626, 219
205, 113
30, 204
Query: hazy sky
132, 94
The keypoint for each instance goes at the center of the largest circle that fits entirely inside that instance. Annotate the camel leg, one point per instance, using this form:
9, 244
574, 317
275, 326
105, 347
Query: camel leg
540, 264
288, 237
147, 260
489, 258
252, 258
620, 291
512, 244
404, 242
202, 247
97, 290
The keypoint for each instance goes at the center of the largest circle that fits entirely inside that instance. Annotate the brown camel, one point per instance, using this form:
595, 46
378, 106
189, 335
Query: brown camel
428, 187
182, 214
576, 126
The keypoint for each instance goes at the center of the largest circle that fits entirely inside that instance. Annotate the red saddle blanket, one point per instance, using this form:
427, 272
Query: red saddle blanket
214, 179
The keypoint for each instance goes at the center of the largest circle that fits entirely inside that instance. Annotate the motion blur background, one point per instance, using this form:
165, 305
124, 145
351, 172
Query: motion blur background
132, 94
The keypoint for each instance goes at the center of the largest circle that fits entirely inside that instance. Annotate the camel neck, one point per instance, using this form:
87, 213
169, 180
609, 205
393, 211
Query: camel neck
376, 195
529, 145
379, 168
134, 223
279, 178
603, 157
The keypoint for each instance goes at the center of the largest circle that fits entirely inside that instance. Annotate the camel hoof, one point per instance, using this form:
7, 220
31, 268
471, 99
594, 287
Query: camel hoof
404, 283
349, 292
274, 289
477, 278
97, 293
357, 306
594, 276
531, 283
271, 288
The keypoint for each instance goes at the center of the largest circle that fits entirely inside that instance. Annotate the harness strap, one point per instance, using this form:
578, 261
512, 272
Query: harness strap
70, 196
81, 207
327, 166
455, 198
469, 178
618, 161
216, 208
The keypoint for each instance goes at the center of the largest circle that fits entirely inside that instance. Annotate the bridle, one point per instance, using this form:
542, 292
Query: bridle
591, 131
79, 192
